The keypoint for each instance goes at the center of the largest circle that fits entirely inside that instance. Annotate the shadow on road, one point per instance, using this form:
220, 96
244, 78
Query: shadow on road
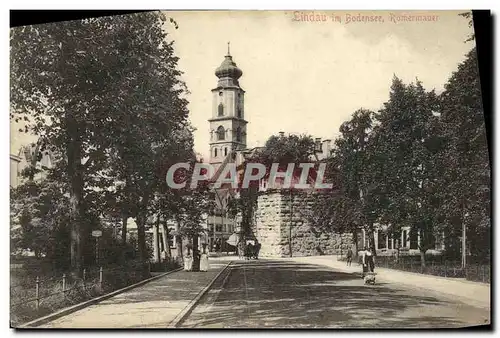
259, 294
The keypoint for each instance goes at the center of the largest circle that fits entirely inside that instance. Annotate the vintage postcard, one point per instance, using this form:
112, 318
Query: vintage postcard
249, 169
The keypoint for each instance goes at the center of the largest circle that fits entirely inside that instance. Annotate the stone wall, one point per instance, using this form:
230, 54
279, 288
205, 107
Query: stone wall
273, 228
268, 224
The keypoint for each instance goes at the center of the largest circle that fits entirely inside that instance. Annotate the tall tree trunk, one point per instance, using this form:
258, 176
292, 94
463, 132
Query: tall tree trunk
124, 229
141, 236
371, 232
423, 246
156, 240
79, 232
141, 228
355, 239
422, 258
180, 249
166, 242
196, 254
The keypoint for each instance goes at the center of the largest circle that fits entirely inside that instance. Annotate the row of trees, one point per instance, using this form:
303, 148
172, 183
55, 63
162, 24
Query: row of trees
421, 161
104, 97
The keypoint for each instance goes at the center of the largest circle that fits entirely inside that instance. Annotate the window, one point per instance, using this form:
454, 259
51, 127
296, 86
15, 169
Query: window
220, 93
238, 134
225, 151
218, 227
215, 152
239, 112
405, 238
413, 239
381, 240
221, 133
221, 109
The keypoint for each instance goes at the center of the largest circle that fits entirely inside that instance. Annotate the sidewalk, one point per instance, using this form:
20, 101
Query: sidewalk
153, 305
473, 293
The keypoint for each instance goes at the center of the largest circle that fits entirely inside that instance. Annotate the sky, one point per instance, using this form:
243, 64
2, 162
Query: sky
309, 77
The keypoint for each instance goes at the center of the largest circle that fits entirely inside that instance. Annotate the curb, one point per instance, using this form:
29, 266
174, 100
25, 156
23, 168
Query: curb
190, 307
74, 308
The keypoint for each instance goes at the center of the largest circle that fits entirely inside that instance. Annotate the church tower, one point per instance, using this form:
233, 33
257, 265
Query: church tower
227, 125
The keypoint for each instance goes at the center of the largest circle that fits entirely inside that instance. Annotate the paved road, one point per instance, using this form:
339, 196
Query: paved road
280, 294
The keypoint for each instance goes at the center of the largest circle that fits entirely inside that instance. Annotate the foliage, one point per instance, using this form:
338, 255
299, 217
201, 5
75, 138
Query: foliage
466, 187
421, 162
110, 103
39, 219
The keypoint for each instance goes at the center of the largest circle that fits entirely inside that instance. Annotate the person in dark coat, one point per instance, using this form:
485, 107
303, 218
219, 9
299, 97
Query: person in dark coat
248, 251
349, 257
257, 250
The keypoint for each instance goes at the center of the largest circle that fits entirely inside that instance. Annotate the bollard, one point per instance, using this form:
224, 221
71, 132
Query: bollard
100, 277
37, 292
64, 286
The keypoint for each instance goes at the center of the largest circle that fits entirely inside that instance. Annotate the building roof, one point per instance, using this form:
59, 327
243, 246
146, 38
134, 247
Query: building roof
228, 68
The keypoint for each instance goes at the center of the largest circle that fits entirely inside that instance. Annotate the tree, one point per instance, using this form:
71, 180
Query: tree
39, 219
91, 90
348, 206
408, 141
189, 207
467, 180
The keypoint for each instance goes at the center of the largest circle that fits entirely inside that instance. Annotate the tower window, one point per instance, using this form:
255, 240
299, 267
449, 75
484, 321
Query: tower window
215, 152
225, 151
238, 134
221, 133
220, 93
239, 112
221, 109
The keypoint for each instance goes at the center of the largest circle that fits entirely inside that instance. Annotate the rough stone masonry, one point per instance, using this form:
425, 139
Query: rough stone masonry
274, 225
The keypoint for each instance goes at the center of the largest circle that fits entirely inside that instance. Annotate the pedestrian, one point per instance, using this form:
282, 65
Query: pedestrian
248, 251
204, 265
241, 249
368, 261
349, 257
363, 264
257, 250
188, 260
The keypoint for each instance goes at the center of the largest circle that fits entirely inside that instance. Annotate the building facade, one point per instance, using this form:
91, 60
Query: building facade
388, 243
24, 157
